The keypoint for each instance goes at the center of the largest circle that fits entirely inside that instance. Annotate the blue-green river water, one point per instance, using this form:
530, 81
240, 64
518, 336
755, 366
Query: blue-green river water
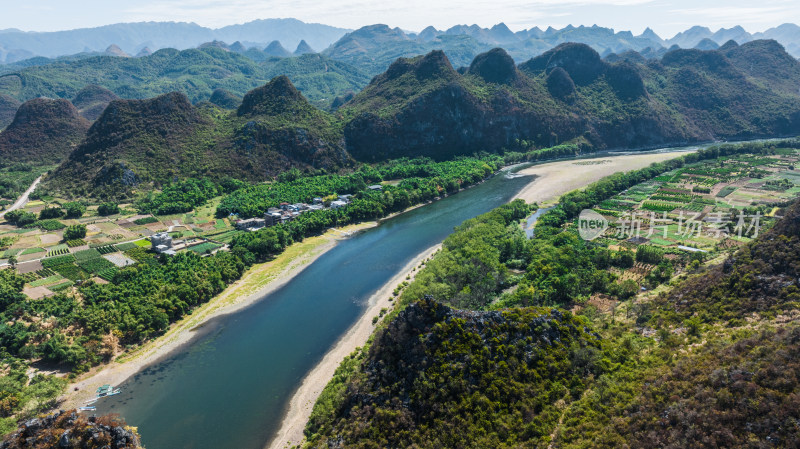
229, 387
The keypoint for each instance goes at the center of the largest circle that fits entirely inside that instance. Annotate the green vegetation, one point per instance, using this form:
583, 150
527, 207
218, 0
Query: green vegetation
75, 242
422, 180
274, 129
708, 360
74, 209
472, 267
50, 224
106, 209
74, 232
625, 104
145, 220
58, 250
727, 190
51, 212
523, 112
195, 72
44, 132
23, 397
16, 178
59, 260
432, 368
204, 248
184, 196
20, 218
107, 249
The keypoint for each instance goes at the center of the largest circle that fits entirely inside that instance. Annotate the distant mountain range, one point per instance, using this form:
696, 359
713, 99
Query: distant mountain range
275, 36
329, 78
16, 45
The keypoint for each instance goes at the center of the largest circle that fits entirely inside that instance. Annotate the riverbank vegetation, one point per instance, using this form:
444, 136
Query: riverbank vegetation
109, 297
712, 344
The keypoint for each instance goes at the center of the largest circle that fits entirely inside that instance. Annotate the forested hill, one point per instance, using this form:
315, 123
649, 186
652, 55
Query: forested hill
194, 72
141, 144
92, 100
8, 107
43, 132
432, 368
422, 106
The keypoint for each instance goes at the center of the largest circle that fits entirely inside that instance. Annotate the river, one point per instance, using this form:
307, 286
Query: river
229, 387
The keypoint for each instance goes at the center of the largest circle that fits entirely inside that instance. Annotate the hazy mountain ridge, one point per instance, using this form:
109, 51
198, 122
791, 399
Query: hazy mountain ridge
133, 37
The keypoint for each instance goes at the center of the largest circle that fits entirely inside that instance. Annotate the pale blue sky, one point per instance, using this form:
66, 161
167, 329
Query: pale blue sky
665, 17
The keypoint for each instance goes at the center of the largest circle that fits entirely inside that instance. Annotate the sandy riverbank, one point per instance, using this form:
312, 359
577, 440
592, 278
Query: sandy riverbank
258, 281
554, 179
302, 402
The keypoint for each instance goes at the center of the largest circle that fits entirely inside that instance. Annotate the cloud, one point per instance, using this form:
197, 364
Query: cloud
740, 15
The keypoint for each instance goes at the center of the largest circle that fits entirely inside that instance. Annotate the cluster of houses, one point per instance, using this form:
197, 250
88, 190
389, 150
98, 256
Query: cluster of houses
288, 212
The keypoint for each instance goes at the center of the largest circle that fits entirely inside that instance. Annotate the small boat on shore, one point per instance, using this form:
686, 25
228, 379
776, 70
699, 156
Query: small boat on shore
87, 409
107, 390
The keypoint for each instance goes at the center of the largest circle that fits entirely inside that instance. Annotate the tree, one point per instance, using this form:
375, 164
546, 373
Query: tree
74, 209
108, 209
21, 218
51, 212
74, 232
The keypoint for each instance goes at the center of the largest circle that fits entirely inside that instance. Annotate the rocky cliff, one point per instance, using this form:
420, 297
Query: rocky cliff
66, 430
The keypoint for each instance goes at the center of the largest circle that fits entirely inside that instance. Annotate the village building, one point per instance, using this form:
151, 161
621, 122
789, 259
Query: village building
250, 224
161, 242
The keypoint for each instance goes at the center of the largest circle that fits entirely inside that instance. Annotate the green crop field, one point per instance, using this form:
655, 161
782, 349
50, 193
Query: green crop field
126, 246
52, 262
48, 280
727, 190
203, 247
71, 272
61, 286
96, 265
88, 254
58, 250
106, 249
108, 274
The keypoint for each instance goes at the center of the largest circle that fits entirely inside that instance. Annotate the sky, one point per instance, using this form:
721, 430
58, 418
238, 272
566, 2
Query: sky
665, 17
